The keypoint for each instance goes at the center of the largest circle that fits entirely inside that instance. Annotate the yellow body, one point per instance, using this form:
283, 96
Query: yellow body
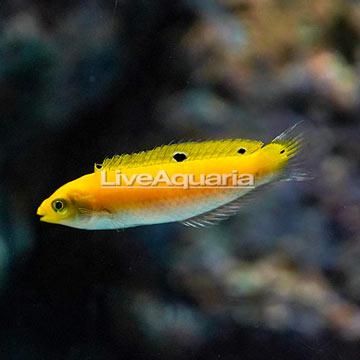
89, 205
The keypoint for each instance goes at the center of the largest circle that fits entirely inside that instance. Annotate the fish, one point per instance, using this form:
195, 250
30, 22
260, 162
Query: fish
196, 183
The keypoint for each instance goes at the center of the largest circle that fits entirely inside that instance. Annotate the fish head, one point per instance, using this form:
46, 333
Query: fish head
69, 205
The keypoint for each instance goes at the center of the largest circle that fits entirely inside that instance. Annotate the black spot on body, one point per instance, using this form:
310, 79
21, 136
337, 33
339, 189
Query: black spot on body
179, 157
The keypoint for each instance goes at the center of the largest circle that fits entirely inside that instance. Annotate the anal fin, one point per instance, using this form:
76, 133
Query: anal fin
223, 212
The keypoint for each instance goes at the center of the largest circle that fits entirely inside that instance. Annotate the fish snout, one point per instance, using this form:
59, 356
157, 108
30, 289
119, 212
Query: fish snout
41, 211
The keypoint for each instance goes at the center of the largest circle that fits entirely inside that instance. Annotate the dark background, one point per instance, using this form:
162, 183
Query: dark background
81, 80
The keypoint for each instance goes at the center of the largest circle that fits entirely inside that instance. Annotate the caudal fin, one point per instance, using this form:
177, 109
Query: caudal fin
293, 139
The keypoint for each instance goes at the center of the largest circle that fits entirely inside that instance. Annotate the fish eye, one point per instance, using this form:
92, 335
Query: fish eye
242, 151
282, 151
58, 205
179, 157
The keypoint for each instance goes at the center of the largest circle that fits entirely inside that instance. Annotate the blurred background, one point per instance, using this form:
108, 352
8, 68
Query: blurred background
82, 80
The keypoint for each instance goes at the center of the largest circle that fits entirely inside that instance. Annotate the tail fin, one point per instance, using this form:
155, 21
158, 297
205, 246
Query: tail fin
294, 141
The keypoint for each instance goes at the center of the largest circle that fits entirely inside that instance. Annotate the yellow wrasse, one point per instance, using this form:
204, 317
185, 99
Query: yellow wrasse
196, 183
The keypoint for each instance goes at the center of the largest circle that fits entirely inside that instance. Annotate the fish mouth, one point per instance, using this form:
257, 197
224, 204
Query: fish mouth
42, 218
40, 213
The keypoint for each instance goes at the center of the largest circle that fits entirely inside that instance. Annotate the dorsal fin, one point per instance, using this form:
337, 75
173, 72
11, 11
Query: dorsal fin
193, 150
